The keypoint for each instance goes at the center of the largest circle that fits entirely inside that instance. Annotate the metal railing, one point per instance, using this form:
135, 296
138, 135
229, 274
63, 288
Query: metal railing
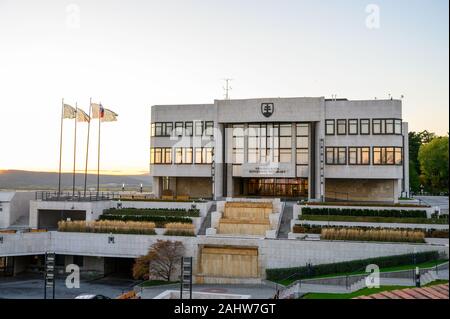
77, 196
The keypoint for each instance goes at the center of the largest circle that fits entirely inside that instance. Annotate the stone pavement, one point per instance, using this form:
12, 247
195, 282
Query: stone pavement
255, 291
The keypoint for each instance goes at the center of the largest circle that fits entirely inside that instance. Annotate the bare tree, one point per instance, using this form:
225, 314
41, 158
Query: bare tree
160, 261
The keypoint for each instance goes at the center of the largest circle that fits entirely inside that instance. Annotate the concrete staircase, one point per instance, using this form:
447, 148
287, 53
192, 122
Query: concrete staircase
207, 221
286, 217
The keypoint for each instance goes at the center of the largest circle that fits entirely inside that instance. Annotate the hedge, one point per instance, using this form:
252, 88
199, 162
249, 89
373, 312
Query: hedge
303, 272
154, 212
365, 212
160, 221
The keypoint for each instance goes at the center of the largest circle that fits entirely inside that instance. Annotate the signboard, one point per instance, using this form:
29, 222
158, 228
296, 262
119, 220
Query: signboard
267, 170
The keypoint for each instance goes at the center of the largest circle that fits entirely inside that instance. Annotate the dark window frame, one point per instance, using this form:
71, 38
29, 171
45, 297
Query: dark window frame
368, 127
334, 127
186, 129
348, 126
358, 155
337, 126
335, 155
383, 155
176, 127
383, 126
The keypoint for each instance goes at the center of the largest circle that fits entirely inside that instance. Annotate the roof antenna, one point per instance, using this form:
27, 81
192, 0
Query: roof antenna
227, 88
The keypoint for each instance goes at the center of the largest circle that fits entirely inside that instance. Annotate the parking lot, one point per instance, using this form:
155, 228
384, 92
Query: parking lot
32, 287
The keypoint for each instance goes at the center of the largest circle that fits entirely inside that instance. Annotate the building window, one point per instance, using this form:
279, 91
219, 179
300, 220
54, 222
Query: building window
183, 155
285, 146
198, 128
153, 129
238, 144
209, 128
188, 128
329, 127
386, 126
364, 126
353, 127
302, 144
398, 127
389, 126
161, 155
341, 127
387, 156
359, 156
162, 129
179, 128
204, 155
336, 155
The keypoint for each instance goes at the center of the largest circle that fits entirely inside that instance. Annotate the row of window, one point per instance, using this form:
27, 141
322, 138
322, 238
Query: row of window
197, 128
270, 142
182, 155
361, 155
362, 127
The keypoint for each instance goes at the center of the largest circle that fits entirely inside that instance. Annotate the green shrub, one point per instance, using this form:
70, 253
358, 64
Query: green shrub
303, 272
160, 221
365, 212
179, 233
437, 233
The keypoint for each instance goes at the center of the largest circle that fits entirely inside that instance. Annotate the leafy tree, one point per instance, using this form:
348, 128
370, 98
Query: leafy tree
416, 140
414, 180
433, 158
160, 262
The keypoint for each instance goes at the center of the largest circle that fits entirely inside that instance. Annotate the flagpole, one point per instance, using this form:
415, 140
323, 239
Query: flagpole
75, 149
87, 148
60, 147
98, 158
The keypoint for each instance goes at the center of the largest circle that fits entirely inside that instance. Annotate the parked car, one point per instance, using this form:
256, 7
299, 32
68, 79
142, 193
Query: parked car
90, 296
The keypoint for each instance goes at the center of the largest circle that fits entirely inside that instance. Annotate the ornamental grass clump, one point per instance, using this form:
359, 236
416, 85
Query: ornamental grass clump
389, 235
106, 226
179, 229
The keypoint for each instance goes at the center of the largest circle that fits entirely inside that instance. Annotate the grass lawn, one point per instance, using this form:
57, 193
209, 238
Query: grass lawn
363, 292
371, 219
426, 264
150, 283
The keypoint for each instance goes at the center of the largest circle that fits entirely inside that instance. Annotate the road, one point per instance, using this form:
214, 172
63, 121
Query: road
32, 287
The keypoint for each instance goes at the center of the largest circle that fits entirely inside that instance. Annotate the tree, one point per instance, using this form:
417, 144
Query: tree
414, 180
433, 158
161, 260
416, 140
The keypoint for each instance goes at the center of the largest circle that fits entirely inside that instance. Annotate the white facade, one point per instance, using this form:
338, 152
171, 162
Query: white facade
290, 155
13, 207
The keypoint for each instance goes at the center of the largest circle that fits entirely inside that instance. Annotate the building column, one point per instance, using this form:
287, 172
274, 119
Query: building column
156, 187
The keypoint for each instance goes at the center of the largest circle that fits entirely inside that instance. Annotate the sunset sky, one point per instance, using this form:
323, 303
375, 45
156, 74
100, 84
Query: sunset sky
132, 54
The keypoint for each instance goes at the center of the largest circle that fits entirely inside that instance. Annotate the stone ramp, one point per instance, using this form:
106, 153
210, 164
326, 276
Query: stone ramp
207, 221
286, 217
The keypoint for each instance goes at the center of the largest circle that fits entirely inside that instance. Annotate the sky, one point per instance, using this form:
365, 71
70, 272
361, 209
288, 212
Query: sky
132, 54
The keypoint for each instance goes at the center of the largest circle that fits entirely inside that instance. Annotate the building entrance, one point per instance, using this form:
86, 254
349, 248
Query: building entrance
275, 187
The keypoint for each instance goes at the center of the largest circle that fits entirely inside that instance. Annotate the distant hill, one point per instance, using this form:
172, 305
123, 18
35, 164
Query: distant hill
16, 179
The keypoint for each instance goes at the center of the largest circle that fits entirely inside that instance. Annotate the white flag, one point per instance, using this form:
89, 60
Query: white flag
82, 116
69, 112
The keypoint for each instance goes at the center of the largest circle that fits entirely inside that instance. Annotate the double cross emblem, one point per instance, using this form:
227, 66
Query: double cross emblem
267, 109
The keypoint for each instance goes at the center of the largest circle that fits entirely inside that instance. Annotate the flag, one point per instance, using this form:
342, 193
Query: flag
69, 112
109, 116
106, 115
82, 116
